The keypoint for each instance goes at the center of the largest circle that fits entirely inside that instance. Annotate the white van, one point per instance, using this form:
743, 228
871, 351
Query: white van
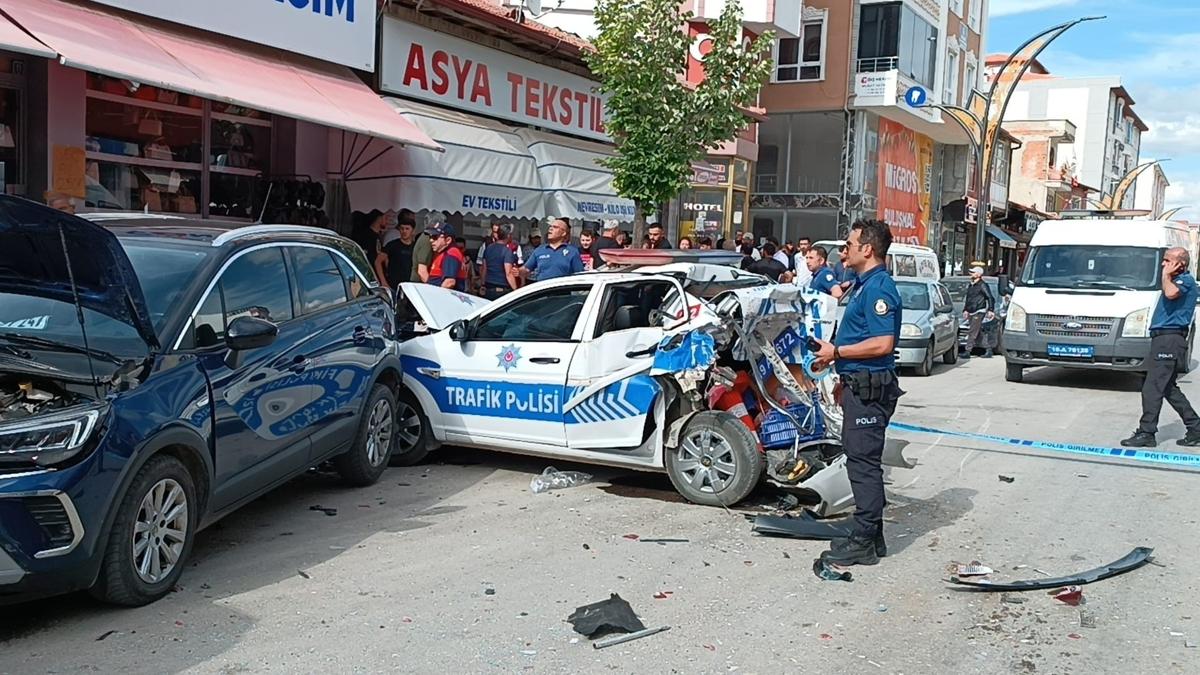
904, 260
1087, 293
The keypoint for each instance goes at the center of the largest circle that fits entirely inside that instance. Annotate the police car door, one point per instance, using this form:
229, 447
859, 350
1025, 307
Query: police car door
502, 384
605, 409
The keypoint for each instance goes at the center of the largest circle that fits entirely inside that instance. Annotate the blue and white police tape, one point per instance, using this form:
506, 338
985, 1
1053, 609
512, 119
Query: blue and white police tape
1153, 456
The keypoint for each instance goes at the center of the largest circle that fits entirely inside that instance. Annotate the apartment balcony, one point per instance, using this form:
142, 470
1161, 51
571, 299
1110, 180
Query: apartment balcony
781, 16
880, 86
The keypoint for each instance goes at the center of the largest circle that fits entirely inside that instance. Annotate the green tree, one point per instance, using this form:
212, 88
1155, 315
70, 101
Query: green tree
661, 124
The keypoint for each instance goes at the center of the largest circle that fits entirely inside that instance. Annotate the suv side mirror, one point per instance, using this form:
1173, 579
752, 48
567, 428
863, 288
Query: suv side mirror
248, 332
459, 331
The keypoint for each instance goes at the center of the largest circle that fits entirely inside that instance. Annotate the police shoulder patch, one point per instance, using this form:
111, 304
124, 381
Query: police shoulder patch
881, 307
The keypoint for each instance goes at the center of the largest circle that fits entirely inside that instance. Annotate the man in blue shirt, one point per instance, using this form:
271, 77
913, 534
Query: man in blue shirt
1168, 348
823, 278
866, 337
557, 257
497, 266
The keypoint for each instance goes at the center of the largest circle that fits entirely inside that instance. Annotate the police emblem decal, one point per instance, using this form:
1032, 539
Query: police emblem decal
881, 307
508, 357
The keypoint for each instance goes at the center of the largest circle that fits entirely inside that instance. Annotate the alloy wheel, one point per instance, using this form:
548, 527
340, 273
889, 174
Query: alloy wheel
706, 460
379, 432
408, 428
160, 531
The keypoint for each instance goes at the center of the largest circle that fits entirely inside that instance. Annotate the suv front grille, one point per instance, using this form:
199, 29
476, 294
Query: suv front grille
1053, 325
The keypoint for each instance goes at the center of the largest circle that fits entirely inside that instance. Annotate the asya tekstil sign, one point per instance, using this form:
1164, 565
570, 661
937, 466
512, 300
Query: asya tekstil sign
449, 71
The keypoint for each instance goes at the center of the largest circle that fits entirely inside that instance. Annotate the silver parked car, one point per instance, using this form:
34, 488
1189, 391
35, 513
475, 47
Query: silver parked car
929, 328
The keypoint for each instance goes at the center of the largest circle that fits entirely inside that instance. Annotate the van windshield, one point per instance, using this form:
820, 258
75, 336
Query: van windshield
1130, 268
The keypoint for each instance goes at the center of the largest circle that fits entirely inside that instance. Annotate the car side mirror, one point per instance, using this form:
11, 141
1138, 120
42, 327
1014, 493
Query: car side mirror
459, 331
385, 294
248, 332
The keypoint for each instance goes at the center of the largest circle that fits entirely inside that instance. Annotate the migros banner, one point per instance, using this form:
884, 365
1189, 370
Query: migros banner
905, 176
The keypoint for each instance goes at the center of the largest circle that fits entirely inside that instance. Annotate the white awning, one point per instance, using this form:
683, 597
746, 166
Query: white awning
486, 169
576, 184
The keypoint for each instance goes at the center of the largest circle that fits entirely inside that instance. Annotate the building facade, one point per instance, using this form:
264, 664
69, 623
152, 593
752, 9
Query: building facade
850, 132
1108, 130
1152, 191
143, 106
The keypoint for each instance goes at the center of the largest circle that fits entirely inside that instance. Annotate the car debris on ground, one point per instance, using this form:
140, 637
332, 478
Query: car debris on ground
1071, 595
613, 615
829, 572
553, 479
1130, 561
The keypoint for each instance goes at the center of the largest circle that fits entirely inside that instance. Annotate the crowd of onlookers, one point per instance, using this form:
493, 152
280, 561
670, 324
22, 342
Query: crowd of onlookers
439, 255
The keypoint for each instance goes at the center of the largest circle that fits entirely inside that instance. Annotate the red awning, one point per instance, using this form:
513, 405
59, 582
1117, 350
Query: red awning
14, 39
214, 67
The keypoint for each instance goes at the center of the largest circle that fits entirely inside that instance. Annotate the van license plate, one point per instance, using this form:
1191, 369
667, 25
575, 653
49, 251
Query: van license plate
1071, 351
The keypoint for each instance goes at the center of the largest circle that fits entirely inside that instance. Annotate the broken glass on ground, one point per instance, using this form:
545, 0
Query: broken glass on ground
553, 479
613, 615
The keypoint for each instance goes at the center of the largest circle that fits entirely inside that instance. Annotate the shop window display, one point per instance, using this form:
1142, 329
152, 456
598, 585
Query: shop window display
163, 151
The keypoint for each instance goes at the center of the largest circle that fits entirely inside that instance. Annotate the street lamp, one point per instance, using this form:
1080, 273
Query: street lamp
984, 113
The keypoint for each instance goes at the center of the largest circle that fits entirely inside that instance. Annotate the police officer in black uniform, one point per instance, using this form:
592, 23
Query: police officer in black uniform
863, 355
1169, 328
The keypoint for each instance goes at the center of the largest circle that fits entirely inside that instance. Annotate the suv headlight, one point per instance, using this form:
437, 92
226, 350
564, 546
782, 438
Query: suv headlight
1016, 319
1137, 324
49, 439
910, 330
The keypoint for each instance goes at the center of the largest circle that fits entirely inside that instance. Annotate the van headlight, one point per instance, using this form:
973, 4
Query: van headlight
1137, 324
910, 330
49, 439
1016, 320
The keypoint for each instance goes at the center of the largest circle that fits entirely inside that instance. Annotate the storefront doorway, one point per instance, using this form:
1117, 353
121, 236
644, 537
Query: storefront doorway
14, 144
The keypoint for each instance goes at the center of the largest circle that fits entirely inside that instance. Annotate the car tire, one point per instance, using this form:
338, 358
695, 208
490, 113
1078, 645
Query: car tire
162, 494
368, 456
925, 367
414, 438
717, 462
951, 356
1014, 372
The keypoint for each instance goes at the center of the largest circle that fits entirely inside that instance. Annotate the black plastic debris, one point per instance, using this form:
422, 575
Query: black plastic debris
804, 527
613, 615
663, 541
327, 510
105, 635
1130, 561
1007, 479
828, 572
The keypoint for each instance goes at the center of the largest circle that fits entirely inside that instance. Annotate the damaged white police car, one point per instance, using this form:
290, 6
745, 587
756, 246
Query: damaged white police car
676, 362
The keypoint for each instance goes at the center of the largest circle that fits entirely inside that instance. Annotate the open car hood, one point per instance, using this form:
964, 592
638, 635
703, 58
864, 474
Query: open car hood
437, 307
33, 240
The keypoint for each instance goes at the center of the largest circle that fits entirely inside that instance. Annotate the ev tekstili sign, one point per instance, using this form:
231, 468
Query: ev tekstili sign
339, 31
435, 67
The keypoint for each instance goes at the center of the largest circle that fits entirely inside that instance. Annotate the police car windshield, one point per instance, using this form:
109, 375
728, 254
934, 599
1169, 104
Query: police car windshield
913, 295
1093, 267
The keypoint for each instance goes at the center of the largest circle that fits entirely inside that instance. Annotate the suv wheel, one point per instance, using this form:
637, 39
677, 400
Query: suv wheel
717, 462
151, 537
367, 459
413, 442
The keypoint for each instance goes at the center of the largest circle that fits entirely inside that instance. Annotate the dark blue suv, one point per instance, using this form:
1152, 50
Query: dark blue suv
158, 373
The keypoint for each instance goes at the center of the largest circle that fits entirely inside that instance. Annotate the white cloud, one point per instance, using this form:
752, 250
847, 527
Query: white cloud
1009, 7
1184, 191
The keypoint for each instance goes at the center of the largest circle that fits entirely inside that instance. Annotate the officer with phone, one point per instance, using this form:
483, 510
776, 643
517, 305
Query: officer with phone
1169, 328
863, 355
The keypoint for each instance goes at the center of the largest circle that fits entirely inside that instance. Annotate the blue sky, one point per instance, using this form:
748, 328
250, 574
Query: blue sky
1153, 45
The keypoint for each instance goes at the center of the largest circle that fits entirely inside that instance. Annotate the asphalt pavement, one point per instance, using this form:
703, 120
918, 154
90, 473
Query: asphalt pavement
455, 566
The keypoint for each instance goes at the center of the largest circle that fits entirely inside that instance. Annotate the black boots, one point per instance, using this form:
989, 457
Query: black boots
1140, 439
